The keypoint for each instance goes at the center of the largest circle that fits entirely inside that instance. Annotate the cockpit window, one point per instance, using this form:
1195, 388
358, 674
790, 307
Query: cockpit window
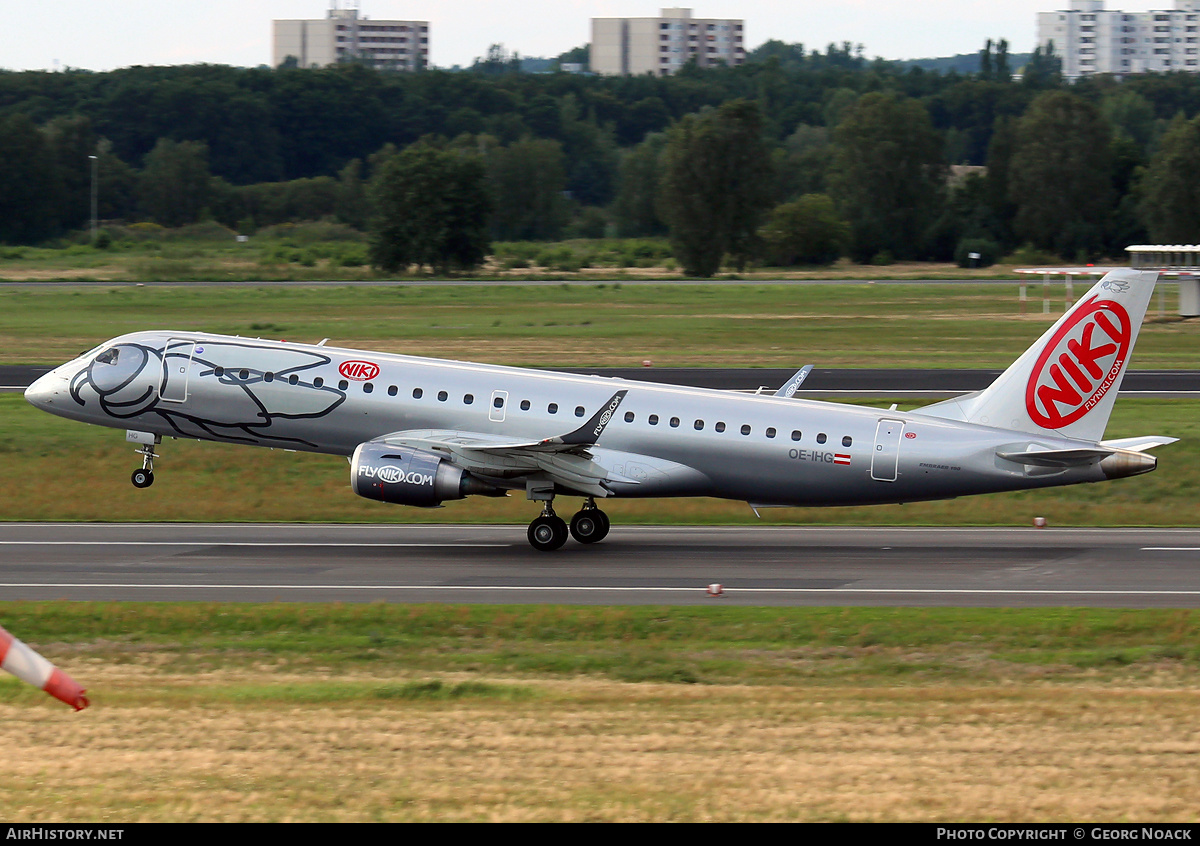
108, 356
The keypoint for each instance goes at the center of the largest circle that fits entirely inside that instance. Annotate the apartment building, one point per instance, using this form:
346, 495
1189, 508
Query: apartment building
345, 35
1091, 39
663, 45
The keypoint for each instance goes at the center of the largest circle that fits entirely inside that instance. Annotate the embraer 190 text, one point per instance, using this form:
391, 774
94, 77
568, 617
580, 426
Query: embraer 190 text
420, 431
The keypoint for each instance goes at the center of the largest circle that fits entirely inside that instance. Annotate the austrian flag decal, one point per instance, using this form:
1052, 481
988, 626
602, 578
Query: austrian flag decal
1079, 365
841, 458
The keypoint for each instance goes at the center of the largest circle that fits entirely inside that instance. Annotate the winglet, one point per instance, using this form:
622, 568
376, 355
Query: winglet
590, 432
792, 385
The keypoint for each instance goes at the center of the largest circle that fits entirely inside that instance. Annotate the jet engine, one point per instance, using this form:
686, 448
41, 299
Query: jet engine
405, 476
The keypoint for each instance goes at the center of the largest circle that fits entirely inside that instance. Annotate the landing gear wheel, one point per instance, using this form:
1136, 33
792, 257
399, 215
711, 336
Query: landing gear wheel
589, 525
142, 478
547, 533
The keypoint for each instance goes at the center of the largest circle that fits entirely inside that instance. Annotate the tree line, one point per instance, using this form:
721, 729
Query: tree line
798, 156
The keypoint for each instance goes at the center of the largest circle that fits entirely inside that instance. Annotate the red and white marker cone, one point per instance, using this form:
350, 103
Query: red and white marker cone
28, 666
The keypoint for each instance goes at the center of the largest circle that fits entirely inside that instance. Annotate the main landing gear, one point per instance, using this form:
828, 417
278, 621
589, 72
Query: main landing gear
549, 531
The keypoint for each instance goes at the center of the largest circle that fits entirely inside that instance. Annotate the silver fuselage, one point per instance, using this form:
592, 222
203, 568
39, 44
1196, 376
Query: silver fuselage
663, 441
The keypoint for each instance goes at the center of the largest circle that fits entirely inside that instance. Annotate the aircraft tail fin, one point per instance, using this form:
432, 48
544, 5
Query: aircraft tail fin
1067, 382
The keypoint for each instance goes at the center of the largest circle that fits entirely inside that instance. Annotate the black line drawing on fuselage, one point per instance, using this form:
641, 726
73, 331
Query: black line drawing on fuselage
131, 380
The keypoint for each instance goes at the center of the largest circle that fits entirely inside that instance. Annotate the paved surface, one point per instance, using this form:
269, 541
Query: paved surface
781, 566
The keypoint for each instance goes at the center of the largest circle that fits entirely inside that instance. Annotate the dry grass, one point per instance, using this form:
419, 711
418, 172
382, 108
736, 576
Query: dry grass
592, 749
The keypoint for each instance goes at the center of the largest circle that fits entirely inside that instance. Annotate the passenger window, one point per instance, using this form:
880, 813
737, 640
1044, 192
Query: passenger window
418, 393
771, 432
699, 424
318, 382
468, 399
821, 438
628, 416
796, 435
293, 379
847, 441
393, 390
579, 411
653, 419
443, 396
745, 430
245, 374
524, 405
368, 387
217, 371
268, 377
343, 385
674, 422
498, 402
720, 427
552, 408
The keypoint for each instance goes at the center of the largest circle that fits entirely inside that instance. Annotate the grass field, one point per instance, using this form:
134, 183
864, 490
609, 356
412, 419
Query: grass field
209, 712
589, 325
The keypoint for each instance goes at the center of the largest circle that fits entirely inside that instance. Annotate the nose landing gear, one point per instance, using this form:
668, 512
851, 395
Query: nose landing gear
144, 477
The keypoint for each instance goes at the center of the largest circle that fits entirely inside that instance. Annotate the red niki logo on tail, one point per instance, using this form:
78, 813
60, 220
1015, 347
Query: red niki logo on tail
1079, 364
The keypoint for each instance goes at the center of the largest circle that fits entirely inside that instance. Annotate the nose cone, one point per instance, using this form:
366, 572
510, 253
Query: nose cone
47, 391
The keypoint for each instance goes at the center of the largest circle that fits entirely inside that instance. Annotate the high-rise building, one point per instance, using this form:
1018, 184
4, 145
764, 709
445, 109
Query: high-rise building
1091, 39
663, 45
346, 36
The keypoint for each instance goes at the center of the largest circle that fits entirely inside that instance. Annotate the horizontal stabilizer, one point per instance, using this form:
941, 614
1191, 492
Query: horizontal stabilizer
1058, 457
1139, 444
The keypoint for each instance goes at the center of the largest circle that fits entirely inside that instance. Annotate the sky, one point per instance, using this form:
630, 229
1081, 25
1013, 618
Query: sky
103, 34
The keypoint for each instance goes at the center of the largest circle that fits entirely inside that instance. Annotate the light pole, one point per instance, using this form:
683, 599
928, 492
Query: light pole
95, 194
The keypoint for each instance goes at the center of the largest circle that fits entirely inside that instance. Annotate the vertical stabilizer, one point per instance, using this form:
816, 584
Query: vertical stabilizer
1067, 382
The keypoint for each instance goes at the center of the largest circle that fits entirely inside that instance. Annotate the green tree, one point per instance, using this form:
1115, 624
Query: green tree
29, 183
1060, 175
431, 208
71, 142
528, 179
804, 231
888, 175
1170, 201
173, 189
716, 185
635, 209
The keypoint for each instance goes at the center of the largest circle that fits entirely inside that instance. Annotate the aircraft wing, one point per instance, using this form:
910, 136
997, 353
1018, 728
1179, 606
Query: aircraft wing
562, 459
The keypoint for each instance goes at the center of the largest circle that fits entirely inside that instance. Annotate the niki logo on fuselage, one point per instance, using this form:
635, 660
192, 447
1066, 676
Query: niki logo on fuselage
240, 402
1079, 364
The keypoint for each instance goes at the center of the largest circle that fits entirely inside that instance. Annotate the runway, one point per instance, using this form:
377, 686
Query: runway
636, 565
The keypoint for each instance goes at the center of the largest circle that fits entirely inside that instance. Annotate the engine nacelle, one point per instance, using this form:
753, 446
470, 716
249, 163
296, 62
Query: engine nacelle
404, 476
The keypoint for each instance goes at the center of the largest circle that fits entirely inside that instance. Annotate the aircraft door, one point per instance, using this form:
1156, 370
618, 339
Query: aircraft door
496, 411
177, 366
886, 457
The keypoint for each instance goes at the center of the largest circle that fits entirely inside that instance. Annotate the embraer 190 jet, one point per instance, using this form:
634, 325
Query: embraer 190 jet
421, 431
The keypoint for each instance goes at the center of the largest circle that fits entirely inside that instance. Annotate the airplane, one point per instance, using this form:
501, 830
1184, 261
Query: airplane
422, 431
